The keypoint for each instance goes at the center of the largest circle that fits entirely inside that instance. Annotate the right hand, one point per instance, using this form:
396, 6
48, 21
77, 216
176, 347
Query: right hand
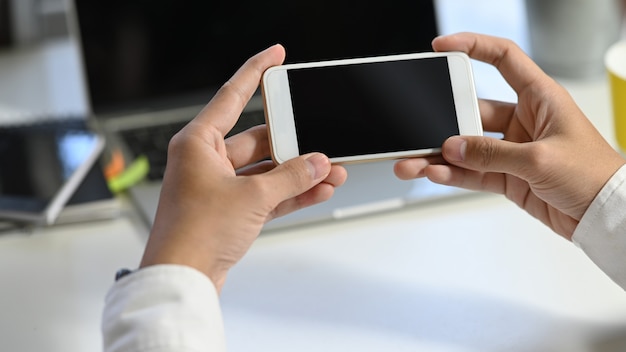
552, 162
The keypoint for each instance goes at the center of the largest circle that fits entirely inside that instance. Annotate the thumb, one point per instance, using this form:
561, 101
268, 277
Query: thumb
485, 154
298, 175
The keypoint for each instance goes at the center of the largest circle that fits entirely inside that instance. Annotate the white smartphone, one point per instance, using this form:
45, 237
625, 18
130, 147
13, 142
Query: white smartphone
368, 109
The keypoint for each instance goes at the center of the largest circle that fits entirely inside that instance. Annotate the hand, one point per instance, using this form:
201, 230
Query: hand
551, 162
217, 193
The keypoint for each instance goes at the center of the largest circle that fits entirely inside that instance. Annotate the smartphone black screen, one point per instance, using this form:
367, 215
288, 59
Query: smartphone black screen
373, 108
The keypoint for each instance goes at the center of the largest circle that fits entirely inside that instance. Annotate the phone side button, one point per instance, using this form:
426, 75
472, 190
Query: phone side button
368, 208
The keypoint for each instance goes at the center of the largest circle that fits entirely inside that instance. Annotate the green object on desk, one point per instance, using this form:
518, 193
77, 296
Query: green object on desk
134, 173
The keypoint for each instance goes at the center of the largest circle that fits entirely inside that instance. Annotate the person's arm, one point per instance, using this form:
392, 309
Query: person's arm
163, 308
216, 196
601, 233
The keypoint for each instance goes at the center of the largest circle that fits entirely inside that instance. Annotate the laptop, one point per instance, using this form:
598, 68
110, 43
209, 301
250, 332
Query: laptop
150, 66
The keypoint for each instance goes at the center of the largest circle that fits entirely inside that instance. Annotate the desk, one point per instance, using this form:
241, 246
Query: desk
469, 274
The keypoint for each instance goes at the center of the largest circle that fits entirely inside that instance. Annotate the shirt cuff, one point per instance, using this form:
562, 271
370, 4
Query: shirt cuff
601, 233
163, 308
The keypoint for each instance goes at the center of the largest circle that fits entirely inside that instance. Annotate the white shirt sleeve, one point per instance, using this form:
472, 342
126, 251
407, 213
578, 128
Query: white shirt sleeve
163, 308
601, 233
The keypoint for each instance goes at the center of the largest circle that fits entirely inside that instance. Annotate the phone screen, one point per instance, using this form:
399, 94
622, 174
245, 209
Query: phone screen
373, 108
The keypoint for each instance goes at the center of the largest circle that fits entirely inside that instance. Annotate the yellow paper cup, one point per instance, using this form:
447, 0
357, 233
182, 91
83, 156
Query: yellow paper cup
615, 62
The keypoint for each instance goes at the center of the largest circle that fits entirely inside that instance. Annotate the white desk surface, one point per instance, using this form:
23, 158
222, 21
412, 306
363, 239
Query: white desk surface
471, 274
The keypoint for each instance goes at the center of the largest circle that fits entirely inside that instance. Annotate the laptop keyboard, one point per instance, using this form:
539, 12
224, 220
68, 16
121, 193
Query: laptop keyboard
152, 141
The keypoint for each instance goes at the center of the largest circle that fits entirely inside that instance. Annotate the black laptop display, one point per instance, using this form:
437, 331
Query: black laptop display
141, 54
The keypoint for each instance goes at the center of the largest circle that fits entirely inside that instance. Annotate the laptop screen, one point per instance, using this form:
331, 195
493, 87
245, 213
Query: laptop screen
146, 54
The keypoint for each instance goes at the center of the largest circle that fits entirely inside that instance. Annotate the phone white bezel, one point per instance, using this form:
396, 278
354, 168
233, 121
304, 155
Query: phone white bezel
279, 111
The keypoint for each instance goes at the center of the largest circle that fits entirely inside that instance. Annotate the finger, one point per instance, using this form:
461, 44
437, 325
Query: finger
248, 147
296, 176
411, 168
496, 116
228, 103
258, 168
451, 175
486, 154
516, 67
337, 176
317, 194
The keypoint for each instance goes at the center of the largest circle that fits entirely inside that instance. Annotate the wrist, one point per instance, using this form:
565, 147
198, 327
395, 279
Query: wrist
198, 256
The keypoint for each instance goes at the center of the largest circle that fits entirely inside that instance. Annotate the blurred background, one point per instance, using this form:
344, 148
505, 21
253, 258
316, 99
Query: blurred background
39, 64
30, 21
40, 68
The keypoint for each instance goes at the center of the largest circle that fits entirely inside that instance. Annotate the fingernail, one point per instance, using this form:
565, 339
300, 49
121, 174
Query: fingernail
318, 165
455, 149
